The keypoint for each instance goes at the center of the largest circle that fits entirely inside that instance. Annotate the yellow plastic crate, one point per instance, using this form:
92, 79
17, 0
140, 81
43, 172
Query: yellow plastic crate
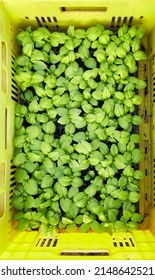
58, 15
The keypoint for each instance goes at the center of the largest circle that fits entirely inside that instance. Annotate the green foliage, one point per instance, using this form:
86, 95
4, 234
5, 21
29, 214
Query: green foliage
76, 155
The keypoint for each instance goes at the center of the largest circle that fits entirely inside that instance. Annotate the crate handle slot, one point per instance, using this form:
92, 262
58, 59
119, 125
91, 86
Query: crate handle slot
84, 253
3, 80
2, 203
2, 174
84, 9
6, 127
4, 52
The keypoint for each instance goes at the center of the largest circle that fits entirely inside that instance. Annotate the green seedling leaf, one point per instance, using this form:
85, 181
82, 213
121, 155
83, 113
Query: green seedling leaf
137, 155
134, 197
80, 199
18, 202
47, 181
31, 187
83, 147
137, 218
65, 204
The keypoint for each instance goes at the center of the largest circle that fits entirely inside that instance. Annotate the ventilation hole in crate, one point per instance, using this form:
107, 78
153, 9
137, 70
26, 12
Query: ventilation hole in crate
43, 19
10, 206
11, 190
14, 98
46, 22
55, 19
2, 174
13, 184
12, 62
124, 20
130, 21
38, 21
12, 179
37, 244
132, 243
146, 173
118, 24
112, 22
146, 196
145, 68
84, 253
49, 19
84, 9
13, 57
124, 242
55, 242
115, 244
14, 93
121, 244
146, 91
13, 69
141, 17
12, 166
127, 244
47, 242
42, 244
14, 86
26, 17
14, 90
12, 173
145, 115
4, 52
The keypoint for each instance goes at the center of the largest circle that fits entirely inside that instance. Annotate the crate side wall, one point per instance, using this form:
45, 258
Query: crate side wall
60, 14
9, 96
